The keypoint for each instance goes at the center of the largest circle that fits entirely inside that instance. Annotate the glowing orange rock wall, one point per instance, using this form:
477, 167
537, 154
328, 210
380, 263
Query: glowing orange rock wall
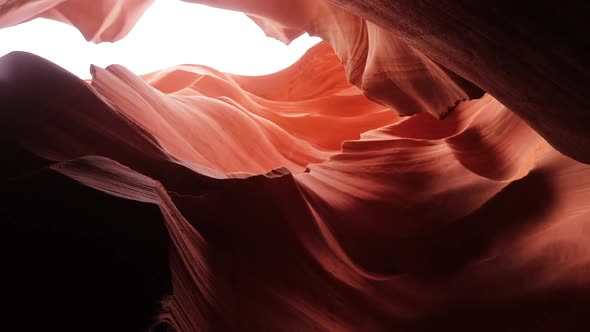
98, 21
293, 202
531, 57
387, 69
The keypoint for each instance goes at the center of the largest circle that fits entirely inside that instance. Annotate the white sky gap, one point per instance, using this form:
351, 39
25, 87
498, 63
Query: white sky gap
169, 33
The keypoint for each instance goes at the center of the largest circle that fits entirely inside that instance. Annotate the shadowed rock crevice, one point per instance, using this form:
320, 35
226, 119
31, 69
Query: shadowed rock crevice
79, 259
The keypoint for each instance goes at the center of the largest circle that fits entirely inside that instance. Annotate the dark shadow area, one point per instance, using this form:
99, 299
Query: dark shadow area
76, 259
565, 309
514, 211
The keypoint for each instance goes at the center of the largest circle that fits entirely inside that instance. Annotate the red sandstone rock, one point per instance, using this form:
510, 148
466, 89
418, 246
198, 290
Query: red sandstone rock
99, 21
293, 202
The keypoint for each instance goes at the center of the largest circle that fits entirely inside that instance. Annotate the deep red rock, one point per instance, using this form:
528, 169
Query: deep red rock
292, 201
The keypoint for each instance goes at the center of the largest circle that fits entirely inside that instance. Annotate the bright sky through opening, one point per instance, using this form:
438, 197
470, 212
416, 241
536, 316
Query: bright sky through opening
169, 33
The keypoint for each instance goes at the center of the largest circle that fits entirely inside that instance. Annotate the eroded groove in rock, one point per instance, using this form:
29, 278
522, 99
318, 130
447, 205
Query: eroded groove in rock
532, 57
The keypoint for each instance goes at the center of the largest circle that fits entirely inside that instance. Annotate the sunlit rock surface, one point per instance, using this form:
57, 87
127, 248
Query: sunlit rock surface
194, 200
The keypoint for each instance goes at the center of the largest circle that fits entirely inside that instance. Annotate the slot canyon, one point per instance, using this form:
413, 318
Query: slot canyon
425, 167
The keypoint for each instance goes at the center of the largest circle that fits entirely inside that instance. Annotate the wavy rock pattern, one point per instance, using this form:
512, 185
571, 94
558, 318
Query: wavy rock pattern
387, 69
98, 21
286, 202
531, 57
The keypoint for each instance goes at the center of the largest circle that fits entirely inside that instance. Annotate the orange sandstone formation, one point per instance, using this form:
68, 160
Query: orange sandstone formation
98, 21
194, 200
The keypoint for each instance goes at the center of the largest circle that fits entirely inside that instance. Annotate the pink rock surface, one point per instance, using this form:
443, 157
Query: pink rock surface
291, 201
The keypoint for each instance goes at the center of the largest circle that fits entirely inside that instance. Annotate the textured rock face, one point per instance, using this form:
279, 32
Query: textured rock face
531, 57
194, 200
